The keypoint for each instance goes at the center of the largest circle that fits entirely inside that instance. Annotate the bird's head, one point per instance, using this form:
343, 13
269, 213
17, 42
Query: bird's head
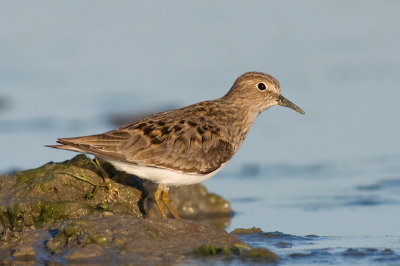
258, 91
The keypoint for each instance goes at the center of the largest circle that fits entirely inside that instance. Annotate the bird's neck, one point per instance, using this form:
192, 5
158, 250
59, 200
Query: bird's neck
238, 121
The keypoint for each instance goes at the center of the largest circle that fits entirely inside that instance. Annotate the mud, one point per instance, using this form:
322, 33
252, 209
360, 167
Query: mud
48, 216
105, 238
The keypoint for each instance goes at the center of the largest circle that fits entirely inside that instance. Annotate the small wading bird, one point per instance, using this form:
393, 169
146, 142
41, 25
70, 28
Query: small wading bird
188, 145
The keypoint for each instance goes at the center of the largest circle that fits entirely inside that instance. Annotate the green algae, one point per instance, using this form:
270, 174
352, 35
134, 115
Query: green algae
241, 251
226, 250
120, 236
208, 250
47, 195
25, 213
262, 253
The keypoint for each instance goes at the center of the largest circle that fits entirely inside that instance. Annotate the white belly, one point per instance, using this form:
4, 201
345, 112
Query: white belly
162, 175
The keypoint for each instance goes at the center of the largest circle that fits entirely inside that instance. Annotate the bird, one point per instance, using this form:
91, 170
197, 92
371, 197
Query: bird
188, 145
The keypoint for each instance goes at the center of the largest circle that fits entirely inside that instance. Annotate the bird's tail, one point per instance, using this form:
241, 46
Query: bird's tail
64, 145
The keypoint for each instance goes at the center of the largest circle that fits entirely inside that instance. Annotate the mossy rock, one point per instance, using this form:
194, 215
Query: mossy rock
47, 195
263, 254
239, 250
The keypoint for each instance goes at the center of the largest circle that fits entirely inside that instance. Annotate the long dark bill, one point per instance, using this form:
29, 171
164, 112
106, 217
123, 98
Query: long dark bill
285, 102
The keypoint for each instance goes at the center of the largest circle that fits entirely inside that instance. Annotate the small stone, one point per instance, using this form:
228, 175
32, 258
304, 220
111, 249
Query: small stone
99, 238
6, 235
25, 252
105, 214
15, 236
119, 241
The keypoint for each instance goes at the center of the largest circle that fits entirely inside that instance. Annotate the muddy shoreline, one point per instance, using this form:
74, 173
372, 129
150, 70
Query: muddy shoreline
49, 215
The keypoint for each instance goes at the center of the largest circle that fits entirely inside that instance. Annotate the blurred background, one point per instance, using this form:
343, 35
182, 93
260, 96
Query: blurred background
69, 68
76, 68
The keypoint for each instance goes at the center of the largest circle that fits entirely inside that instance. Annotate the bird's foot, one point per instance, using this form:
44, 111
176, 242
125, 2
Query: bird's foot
165, 199
167, 203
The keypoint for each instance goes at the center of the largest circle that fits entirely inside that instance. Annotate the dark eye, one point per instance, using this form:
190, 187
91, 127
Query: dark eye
261, 86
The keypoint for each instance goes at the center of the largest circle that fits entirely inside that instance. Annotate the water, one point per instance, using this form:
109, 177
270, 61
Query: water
321, 214
338, 250
357, 198
66, 68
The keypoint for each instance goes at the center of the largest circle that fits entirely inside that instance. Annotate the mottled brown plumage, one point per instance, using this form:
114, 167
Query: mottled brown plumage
186, 140
196, 140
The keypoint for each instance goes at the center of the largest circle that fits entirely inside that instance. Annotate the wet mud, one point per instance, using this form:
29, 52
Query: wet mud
105, 238
64, 213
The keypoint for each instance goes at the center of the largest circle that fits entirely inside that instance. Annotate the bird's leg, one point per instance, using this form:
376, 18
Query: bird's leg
167, 203
108, 183
157, 196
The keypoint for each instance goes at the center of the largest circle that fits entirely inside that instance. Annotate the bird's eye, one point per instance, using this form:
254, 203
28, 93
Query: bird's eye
261, 86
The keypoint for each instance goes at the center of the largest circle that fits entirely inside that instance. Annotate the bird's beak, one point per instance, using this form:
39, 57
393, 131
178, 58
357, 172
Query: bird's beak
285, 102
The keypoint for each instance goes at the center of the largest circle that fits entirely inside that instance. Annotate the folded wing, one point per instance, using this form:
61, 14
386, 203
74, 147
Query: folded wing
179, 144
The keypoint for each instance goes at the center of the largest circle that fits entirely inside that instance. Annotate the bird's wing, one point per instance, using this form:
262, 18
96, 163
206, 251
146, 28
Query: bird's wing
179, 144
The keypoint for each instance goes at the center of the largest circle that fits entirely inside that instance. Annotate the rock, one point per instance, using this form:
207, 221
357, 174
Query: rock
194, 203
262, 253
28, 245
121, 239
215, 250
48, 216
242, 231
46, 196
125, 233
6, 235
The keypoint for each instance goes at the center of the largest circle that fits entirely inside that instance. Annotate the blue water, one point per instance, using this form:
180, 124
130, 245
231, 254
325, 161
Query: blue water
67, 67
341, 214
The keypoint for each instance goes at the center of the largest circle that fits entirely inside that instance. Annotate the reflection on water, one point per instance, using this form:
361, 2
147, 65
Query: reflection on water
319, 250
329, 213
